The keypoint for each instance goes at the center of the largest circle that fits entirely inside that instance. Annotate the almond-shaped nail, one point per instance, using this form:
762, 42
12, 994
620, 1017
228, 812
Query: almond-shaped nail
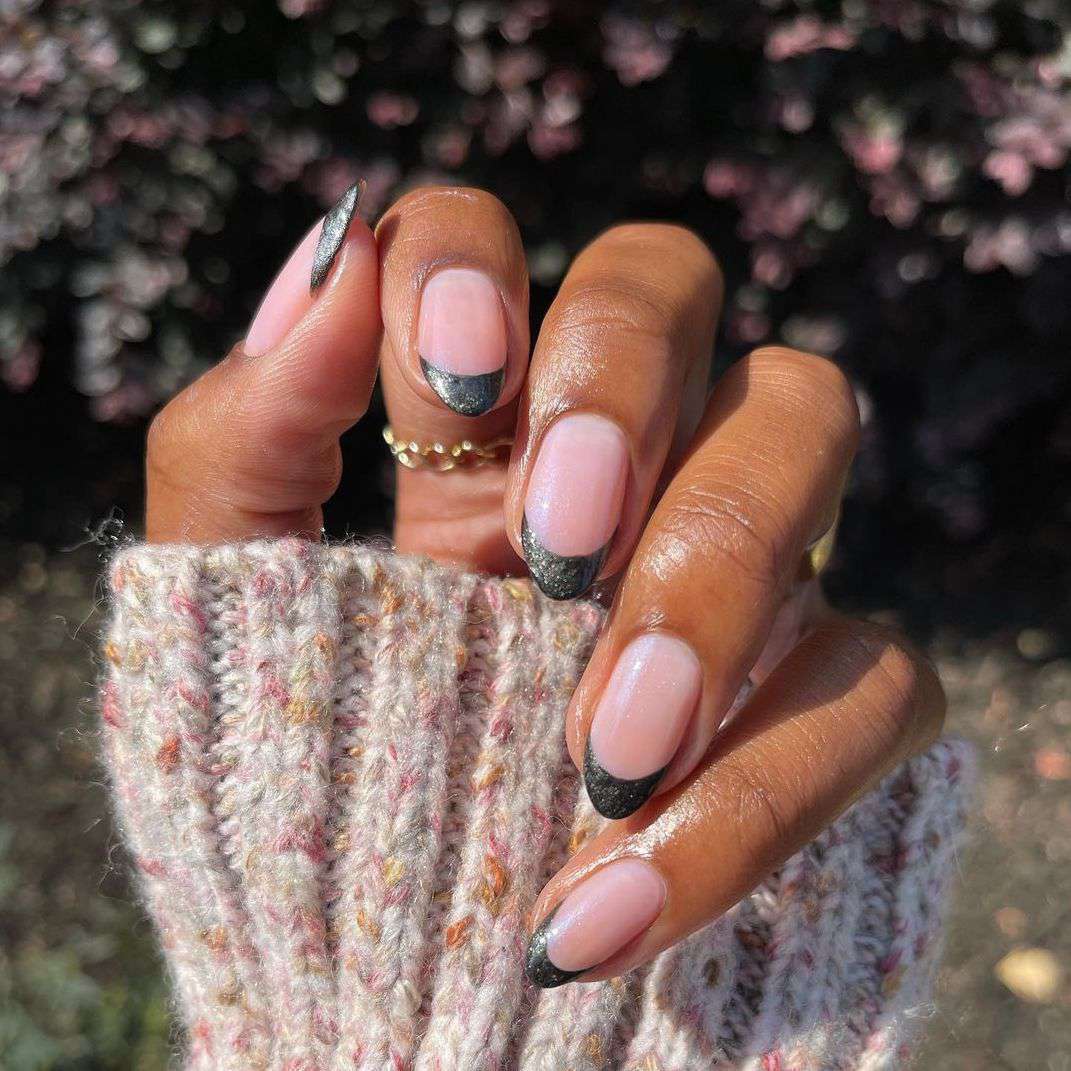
333, 233
461, 339
596, 920
290, 295
573, 503
640, 721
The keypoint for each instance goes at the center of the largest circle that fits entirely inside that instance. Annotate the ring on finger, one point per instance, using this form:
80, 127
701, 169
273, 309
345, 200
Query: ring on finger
442, 457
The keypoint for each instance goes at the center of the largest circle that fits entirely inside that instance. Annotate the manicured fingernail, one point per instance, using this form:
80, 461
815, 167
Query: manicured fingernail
461, 339
290, 295
595, 921
573, 503
286, 301
639, 722
333, 233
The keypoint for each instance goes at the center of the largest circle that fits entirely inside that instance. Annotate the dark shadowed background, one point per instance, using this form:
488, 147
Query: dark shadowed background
884, 182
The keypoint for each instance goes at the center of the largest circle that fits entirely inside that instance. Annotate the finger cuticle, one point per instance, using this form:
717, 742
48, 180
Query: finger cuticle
640, 720
462, 340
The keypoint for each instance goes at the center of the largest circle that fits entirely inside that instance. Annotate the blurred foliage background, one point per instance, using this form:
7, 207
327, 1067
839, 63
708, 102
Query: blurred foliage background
885, 181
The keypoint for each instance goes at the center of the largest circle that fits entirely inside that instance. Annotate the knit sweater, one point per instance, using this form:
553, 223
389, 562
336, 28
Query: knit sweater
341, 777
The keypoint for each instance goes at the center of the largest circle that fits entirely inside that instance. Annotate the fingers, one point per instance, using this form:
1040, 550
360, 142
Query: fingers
848, 704
719, 555
251, 448
621, 362
455, 315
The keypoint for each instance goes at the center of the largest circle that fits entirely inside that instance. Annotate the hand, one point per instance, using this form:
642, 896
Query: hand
703, 505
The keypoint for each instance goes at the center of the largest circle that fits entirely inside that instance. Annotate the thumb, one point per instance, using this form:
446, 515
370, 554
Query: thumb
251, 448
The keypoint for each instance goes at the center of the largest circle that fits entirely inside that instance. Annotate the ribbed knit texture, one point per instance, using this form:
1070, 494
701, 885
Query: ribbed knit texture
342, 779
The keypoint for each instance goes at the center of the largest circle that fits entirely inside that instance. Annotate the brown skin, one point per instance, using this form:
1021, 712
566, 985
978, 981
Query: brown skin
760, 482
724, 496
459, 519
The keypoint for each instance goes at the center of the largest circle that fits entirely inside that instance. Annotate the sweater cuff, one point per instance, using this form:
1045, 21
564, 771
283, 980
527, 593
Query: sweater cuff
341, 776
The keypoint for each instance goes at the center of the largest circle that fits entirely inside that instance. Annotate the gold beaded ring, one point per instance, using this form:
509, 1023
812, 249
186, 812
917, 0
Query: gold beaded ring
469, 455
440, 457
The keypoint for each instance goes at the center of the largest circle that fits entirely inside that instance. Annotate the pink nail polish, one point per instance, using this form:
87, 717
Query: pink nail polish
291, 293
287, 299
573, 504
461, 339
596, 920
639, 722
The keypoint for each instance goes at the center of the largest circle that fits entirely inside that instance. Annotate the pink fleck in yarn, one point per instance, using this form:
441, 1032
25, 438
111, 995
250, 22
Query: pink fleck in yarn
341, 776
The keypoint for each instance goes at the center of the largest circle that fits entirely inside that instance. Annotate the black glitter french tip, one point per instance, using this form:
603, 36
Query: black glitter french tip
616, 797
332, 234
559, 577
537, 964
470, 396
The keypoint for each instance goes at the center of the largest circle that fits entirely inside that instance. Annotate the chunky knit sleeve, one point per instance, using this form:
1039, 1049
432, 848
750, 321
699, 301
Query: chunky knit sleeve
341, 777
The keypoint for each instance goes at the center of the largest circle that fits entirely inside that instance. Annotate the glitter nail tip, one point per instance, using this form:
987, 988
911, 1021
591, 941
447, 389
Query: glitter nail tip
537, 963
616, 797
557, 576
333, 233
469, 396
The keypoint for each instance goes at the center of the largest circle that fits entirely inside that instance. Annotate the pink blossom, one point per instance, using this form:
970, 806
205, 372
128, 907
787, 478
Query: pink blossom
806, 34
875, 152
19, 371
894, 197
547, 140
636, 50
392, 109
1011, 170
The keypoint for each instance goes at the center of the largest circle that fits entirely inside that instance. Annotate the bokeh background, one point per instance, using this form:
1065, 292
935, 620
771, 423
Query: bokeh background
885, 181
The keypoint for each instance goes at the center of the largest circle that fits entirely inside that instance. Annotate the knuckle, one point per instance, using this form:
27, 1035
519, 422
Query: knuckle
816, 383
170, 441
758, 812
323, 475
286, 478
159, 435
425, 206
665, 238
265, 466
732, 531
652, 288
611, 304
901, 695
897, 671
663, 252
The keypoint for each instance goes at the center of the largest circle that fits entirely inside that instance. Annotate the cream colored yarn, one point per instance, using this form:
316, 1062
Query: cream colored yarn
341, 778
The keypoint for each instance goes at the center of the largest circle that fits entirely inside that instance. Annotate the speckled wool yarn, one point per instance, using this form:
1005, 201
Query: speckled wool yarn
341, 776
